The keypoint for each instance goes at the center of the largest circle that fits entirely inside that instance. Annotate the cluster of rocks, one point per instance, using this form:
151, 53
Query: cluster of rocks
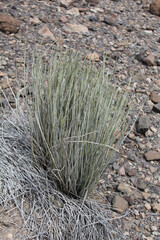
131, 185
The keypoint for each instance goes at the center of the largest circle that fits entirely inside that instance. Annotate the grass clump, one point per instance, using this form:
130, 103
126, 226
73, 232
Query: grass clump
78, 120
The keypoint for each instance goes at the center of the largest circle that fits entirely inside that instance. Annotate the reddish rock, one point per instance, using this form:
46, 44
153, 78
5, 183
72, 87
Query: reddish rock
152, 155
93, 57
154, 97
8, 24
154, 7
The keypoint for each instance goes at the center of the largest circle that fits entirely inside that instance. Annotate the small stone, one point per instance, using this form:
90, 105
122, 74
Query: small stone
2, 74
152, 155
66, 3
115, 167
131, 135
120, 205
154, 228
147, 206
140, 76
93, 18
6, 82
76, 28
153, 169
131, 172
149, 60
142, 215
148, 133
110, 20
131, 156
122, 187
154, 7
35, 21
141, 185
149, 145
156, 108
45, 32
93, 2
10, 235
143, 124
8, 23
121, 171
146, 195
154, 97
93, 57
73, 11
63, 19
153, 129
156, 207
142, 146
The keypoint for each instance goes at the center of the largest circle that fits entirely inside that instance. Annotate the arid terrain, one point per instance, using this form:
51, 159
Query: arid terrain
128, 35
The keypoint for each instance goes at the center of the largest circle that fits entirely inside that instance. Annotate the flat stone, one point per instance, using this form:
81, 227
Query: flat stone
141, 185
156, 107
45, 32
152, 155
120, 205
75, 28
131, 172
154, 97
143, 124
73, 11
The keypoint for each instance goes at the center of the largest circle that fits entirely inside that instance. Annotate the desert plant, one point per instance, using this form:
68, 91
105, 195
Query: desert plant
77, 120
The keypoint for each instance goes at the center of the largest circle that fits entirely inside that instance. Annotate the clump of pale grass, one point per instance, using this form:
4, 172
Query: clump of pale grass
60, 149
78, 120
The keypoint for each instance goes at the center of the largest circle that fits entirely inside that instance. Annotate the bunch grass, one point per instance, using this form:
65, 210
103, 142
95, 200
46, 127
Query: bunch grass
77, 121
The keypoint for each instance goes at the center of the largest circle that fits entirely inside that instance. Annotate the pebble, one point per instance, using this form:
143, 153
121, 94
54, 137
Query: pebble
120, 205
147, 206
123, 187
152, 155
143, 124
156, 207
156, 107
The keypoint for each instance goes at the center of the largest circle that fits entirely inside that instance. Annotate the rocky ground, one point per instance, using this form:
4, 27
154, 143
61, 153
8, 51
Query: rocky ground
128, 33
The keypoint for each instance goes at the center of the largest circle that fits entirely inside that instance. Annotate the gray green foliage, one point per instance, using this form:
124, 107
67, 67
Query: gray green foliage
78, 120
